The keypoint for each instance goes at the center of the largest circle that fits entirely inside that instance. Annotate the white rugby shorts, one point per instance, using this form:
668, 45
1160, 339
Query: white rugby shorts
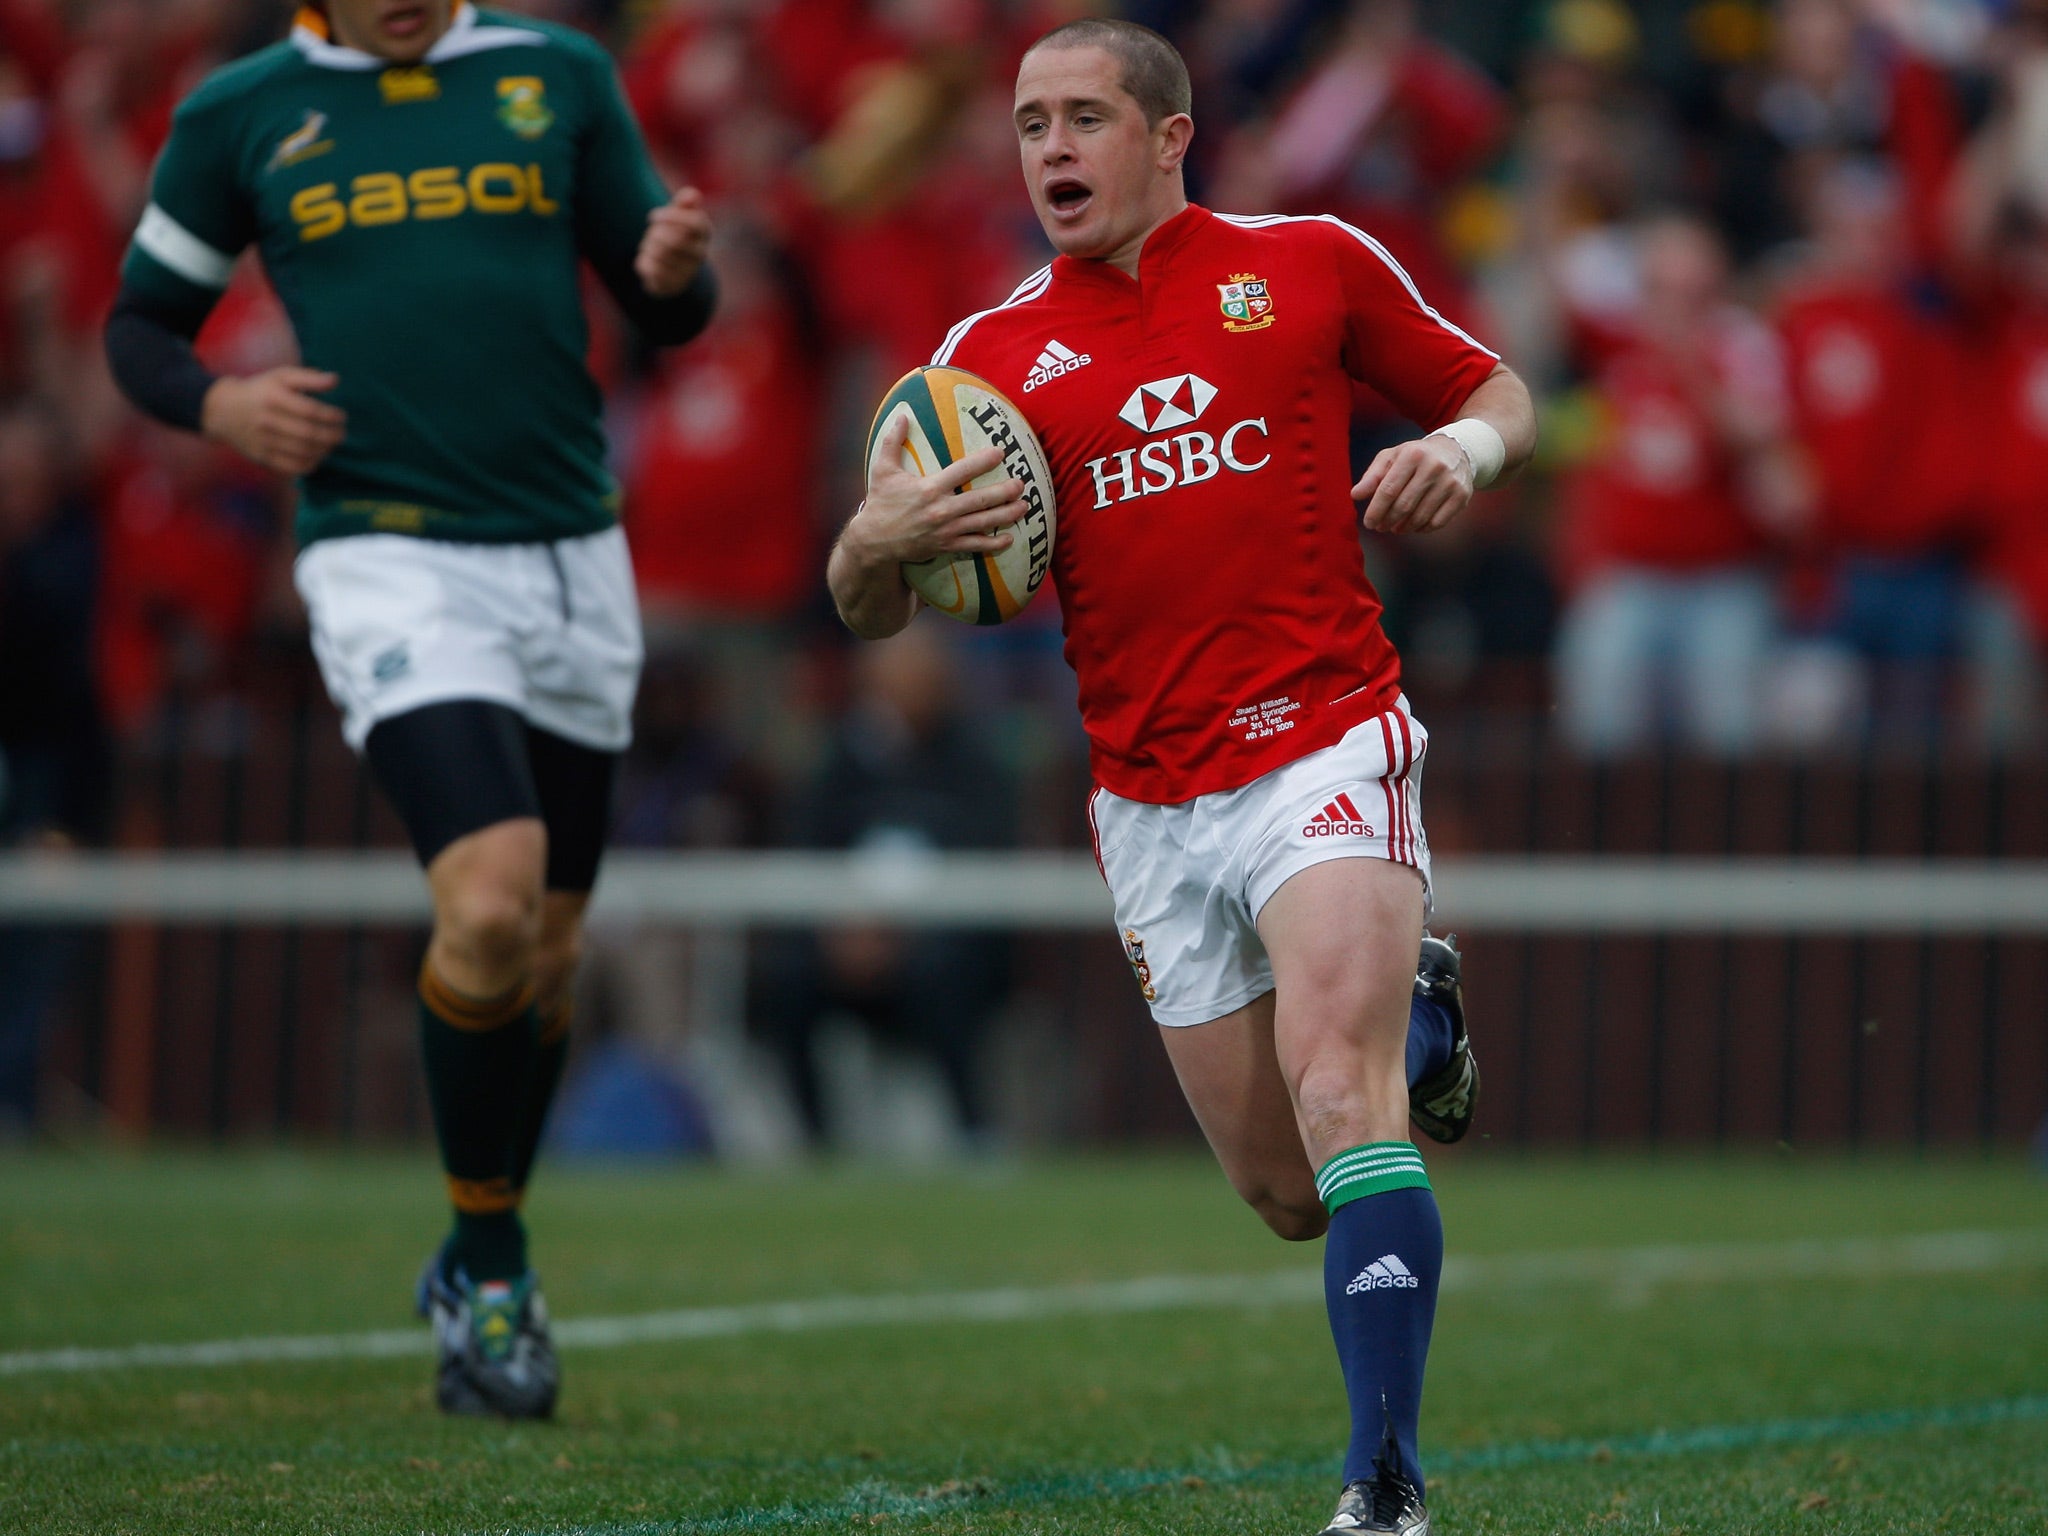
1188, 881
551, 630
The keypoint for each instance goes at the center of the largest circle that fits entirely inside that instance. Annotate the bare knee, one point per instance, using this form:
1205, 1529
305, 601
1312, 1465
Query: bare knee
1346, 1098
1296, 1216
487, 906
490, 924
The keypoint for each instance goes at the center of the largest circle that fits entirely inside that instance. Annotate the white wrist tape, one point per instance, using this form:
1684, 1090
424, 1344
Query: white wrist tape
1482, 445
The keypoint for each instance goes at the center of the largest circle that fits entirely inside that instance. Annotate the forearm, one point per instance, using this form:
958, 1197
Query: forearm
868, 590
152, 360
1502, 402
671, 321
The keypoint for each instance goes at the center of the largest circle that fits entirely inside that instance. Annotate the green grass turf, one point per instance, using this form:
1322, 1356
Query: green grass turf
1872, 1403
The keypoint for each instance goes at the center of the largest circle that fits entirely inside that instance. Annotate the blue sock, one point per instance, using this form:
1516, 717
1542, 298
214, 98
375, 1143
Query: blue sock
1429, 1038
1381, 1264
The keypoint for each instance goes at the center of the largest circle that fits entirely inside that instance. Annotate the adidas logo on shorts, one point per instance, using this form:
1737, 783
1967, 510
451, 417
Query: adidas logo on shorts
1054, 361
1385, 1273
1339, 818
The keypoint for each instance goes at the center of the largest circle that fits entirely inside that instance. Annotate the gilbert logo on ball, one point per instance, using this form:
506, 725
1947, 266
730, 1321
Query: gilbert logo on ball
953, 413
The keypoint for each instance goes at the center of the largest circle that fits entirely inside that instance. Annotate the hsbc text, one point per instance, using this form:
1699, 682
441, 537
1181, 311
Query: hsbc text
1186, 459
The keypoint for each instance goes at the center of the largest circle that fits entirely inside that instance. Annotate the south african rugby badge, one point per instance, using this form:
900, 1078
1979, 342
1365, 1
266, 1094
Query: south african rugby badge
1247, 302
523, 106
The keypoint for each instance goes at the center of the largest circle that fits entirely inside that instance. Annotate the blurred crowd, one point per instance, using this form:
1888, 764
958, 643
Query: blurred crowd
1777, 270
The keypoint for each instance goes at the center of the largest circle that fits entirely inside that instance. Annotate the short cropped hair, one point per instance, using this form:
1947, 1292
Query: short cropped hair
1154, 73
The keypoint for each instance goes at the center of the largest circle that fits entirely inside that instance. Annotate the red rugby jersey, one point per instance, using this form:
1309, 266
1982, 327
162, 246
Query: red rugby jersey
1197, 420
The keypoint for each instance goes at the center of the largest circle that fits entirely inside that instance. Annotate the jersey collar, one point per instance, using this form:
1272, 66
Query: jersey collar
1159, 246
466, 34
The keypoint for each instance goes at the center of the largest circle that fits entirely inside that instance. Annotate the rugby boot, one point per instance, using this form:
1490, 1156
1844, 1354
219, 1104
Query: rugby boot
1385, 1502
491, 1337
1443, 1103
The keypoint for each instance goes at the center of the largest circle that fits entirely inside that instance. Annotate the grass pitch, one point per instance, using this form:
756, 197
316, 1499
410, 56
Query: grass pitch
1828, 1375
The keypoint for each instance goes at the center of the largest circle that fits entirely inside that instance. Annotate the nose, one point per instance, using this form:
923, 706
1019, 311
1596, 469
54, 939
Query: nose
1054, 149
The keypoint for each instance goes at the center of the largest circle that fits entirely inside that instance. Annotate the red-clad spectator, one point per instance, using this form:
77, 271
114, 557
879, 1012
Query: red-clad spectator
186, 548
24, 127
1999, 246
1875, 380
1668, 524
188, 530
688, 77
111, 113
1877, 386
722, 487
2012, 482
1382, 130
912, 218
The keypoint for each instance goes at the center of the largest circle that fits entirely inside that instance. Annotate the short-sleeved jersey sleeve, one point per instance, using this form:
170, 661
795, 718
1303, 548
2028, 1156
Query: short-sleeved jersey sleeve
199, 215
1394, 341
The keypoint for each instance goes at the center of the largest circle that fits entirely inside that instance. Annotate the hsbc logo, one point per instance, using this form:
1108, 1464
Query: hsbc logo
1168, 403
1186, 458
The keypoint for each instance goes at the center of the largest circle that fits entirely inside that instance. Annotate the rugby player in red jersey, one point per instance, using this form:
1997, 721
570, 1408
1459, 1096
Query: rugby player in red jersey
1256, 766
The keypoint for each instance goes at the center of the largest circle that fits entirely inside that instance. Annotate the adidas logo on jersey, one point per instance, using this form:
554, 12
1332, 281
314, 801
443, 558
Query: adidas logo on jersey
1339, 818
1385, 1273
1056, 360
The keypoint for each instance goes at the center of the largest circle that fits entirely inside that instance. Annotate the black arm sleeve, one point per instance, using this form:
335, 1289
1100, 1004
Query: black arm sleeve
149, 348
663, 322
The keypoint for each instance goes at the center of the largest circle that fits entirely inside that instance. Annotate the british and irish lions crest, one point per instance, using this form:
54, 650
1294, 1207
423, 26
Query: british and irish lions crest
1134, 951
1247, 303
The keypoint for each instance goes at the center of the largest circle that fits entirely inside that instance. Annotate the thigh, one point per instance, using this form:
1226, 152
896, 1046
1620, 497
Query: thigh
452, 769
1231, 1075
574, 785
1343, 938
397, 625
1181, 921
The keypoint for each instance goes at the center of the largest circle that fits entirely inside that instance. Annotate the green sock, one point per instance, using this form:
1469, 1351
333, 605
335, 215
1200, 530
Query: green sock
479, 1056
550, 1052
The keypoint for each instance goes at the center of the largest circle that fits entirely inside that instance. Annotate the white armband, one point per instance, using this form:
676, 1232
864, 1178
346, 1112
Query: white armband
1482, 445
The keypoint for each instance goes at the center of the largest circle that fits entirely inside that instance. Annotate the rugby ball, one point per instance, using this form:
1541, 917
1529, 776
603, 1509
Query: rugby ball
952, 413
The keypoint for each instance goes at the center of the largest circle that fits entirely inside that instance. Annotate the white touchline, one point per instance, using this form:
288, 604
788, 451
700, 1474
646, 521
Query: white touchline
1630, 1274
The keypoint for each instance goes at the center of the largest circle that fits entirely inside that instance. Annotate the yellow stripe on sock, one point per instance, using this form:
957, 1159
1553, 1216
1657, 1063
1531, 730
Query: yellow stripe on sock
482, 1197
475, 1014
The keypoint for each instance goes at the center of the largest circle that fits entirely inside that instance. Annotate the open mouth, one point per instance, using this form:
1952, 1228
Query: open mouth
405, 21
1067, 197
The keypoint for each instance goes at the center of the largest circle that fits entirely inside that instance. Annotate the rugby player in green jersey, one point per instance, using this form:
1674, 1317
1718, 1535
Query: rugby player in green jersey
422, 180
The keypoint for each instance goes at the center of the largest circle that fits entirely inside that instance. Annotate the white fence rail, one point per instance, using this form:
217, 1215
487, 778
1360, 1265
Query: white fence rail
1044, 891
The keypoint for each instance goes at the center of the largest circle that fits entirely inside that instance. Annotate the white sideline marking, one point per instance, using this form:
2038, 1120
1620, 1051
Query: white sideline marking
1630, 1274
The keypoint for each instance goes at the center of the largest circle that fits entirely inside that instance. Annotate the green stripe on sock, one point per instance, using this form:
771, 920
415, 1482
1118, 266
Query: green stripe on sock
1379, 1157
1373, 1169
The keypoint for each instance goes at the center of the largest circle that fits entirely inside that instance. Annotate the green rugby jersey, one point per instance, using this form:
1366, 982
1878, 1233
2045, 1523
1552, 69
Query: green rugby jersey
422, 226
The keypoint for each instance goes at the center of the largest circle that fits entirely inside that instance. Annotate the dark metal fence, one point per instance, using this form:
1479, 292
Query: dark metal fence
1686, 1039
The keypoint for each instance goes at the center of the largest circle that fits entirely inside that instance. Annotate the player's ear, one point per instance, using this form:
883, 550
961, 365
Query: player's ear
1174, 135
